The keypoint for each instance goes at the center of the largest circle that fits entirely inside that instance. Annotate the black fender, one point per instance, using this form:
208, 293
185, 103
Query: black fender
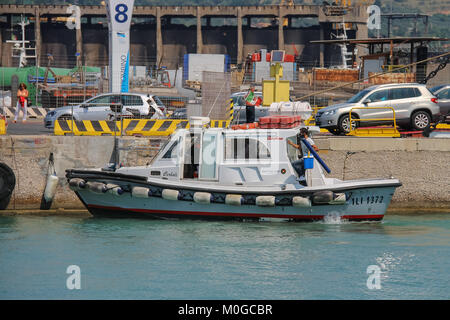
7, 184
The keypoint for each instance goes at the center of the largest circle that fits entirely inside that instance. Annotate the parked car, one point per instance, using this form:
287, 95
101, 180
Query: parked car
239, 107
100, 108
442, 92
179, 113
415, 108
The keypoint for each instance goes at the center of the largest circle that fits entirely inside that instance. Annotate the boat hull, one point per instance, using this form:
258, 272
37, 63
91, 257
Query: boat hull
119, 212
361, 204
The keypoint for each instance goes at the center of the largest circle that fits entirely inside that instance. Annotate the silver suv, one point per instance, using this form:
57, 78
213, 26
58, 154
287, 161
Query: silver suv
415, 108
99, 108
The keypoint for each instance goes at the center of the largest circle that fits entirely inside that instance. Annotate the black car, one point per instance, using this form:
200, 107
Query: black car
179, 113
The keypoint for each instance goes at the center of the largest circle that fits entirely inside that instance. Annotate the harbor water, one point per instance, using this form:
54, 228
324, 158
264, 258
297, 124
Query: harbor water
403, 257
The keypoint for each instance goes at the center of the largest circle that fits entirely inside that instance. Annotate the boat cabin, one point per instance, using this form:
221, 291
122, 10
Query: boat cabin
255, 157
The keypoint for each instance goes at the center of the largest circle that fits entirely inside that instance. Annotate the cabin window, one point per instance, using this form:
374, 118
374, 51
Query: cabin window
245, 148
291, 151
172, 152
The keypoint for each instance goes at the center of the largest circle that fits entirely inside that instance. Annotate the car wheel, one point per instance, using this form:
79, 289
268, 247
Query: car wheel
344, 124
420, 120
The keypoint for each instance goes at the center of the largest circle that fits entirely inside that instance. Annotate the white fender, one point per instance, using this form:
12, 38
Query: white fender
233, 199
77, 184
50, 188
202, 197
323, 197
170, 194
140, 192
96, 187
301, 202
114, 189
265, 201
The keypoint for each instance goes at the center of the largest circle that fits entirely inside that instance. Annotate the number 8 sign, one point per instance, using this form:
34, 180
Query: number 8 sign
121, 13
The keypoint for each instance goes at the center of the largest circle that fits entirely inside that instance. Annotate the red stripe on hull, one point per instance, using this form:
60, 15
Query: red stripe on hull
237, 215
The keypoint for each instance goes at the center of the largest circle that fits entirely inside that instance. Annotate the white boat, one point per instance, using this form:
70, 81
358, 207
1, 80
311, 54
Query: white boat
215, 173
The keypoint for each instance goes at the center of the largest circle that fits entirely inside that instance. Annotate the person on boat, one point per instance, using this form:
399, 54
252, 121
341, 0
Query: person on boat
298, 164
250, 103
22, 101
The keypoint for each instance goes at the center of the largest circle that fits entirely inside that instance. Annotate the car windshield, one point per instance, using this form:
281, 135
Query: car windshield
357, 97
158, 102
434, 89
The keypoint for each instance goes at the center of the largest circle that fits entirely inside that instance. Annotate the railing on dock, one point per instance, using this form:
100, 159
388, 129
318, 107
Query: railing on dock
373, 132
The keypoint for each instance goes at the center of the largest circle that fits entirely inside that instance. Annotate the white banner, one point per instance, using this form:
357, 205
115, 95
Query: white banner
119, 15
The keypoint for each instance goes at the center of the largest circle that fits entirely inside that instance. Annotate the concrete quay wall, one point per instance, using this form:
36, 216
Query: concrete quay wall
28, 157
422, 165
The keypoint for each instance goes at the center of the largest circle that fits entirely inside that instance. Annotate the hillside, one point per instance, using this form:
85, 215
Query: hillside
426, 6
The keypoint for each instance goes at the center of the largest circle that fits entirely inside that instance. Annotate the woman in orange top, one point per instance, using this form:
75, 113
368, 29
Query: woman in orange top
22, 101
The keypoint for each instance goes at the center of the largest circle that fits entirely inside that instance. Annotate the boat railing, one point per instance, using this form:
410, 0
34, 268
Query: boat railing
312, 120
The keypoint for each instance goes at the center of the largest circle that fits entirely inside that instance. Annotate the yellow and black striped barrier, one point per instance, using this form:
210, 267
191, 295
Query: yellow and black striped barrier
87, 127
154, 127
443, 126
2, 126
131, 127
231, 111
32, 112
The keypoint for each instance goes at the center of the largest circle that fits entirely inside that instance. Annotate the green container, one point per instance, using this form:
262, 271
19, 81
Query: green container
26, 73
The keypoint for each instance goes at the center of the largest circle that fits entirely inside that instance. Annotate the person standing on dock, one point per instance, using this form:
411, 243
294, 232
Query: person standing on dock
298, 164
22, 101
250, 104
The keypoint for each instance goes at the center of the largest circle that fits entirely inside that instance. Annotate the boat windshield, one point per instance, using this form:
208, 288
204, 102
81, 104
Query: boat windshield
161, 148
357, 97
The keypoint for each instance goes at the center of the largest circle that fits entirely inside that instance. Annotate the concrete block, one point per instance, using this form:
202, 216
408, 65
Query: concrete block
356, 144
322, 144
420, 164
437, 144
